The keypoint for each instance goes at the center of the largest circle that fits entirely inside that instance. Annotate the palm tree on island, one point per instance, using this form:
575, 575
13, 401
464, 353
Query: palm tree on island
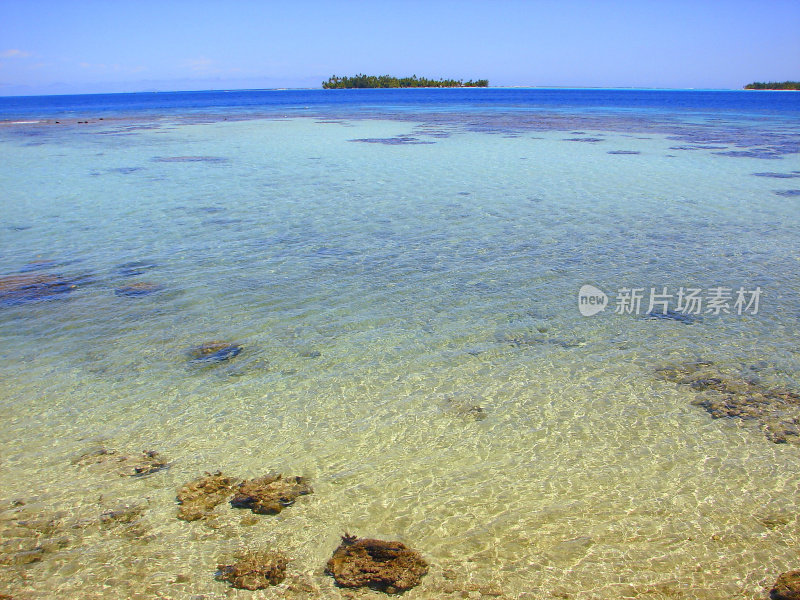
389, 81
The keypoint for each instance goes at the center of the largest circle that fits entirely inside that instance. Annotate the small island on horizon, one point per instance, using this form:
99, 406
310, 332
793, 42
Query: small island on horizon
773, 85
389, 81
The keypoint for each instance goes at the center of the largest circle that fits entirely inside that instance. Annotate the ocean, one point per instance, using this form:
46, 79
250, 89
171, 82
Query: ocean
546, 338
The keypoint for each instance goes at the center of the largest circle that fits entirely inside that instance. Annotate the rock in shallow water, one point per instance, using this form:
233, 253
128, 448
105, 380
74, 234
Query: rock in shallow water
787, 587
213, 352
141, 288
674, 315
269, 494
136, 267
254, 570
32, 287
390, 567
777, 410
199, 497
466, 408
146, 463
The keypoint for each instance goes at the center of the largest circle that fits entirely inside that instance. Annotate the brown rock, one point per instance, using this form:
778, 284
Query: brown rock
254, 570
390, 567
269, 494
199, 497
787, 586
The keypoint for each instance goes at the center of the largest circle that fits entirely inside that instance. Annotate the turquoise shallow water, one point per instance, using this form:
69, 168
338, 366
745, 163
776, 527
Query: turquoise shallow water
381, 289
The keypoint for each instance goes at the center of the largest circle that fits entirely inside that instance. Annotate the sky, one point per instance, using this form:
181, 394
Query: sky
86, 46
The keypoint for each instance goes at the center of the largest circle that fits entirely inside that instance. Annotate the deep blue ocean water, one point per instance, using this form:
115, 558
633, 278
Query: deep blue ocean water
237, 101
392, 282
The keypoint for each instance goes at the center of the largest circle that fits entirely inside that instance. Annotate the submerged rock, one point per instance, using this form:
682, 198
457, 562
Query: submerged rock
393, 141
254, 570
674, 315
124, 514
38, 265
390, 567
199, 497
190, 159
269, 494
146, 463
787, 586
27, 537
32, 287
136, 267
778, 175
722, 396
466, 408
141, 288
212, 352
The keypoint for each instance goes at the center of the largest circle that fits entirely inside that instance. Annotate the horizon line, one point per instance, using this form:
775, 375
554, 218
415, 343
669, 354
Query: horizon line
277, 89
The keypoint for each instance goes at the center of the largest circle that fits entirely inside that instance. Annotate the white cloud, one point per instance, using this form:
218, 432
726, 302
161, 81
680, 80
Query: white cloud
14, 53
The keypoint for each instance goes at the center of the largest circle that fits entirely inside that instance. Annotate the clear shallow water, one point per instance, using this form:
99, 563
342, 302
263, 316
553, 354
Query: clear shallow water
379, 287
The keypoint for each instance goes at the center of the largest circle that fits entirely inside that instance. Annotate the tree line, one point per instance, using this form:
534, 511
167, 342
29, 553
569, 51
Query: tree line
773, 85
388, 81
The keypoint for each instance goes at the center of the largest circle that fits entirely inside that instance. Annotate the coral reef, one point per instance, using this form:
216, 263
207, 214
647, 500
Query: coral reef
776, 410
390, 567
269, 494
199, 497
254, 570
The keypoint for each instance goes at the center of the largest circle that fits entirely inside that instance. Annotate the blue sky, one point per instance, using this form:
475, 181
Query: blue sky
75, 46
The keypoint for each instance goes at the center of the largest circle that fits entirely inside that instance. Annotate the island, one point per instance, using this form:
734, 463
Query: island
388, 81
773, 85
